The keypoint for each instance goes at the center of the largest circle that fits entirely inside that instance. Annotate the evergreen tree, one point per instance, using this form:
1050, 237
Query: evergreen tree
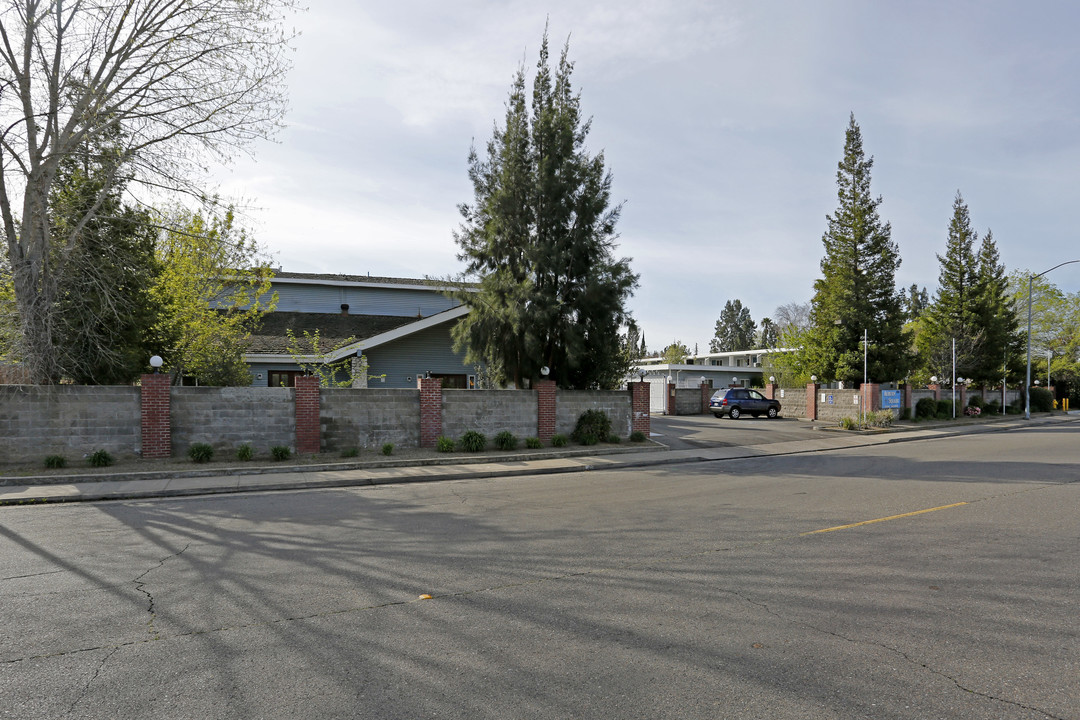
102, 309
769, 335
915, 301
952, 315
539, 239
858, 289
734, 330
995, 315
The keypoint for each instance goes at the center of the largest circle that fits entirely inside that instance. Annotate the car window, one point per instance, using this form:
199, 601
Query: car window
756, 395
741, 394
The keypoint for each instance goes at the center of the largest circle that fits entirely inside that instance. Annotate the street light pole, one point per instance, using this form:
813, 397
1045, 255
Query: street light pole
1027, 386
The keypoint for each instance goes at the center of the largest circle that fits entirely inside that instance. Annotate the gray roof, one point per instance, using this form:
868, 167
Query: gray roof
334, 329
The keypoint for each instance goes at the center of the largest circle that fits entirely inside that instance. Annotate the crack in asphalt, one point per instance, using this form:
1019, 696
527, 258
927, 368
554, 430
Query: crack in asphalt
141, 587
895, 651
90, 680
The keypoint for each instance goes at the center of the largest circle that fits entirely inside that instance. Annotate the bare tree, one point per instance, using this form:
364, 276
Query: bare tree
792, 316
172, 84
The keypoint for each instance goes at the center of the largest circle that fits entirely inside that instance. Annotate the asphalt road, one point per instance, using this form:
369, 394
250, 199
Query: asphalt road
736, 589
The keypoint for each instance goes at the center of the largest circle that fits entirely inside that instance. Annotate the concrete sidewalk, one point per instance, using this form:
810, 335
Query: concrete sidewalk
186, 484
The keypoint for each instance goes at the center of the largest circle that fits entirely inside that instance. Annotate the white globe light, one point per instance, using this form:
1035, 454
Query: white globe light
156, 361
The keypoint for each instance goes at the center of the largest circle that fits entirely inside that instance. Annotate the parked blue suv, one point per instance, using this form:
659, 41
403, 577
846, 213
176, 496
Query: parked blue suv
736, 402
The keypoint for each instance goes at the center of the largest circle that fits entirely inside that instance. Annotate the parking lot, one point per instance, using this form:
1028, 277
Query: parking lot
685, 432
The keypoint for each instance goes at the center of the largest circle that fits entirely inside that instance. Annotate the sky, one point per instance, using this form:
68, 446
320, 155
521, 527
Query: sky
722, 124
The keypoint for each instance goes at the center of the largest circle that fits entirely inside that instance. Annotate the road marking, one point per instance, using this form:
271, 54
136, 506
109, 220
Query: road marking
877, 520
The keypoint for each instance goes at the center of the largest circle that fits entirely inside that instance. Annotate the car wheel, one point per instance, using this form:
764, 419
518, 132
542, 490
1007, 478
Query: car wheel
772, 413
718, 415
734, 413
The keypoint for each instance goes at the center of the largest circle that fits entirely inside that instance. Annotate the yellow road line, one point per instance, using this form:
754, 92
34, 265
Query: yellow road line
877, 520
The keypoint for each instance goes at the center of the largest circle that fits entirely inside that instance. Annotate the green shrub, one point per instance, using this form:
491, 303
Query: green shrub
55, 462
533, 443
944, 410
280, 452
614, 439
388, 449
592, 427
993, 408
1041, 400
558, 441
506, 440
245, 452
925, 408
473, 441
444, 444
637, 436
882, 418
201, 452
350, 452
100, 458
976, 401
849, 423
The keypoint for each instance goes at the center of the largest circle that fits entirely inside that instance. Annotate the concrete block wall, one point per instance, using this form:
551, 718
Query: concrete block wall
688, 401
490, 412
845, 404
368, 418
69, 420
228, 417
570, 404
792, 402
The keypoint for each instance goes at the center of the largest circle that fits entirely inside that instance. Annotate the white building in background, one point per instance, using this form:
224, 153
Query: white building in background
718, 370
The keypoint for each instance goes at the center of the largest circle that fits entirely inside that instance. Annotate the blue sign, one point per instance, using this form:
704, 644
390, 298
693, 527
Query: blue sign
829, 400
890, 399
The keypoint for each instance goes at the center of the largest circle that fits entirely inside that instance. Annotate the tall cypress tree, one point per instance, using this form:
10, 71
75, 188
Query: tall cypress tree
995, 315
952, 314
539, 240
857, 290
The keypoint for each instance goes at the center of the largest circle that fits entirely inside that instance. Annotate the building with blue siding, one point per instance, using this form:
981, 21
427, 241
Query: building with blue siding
400, 326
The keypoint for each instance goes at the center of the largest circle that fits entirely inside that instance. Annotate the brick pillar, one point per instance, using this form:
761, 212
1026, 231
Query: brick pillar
811, 401
870, 397
545, 409
770, 391
906, 402
670, 403
430, 410
640, 407
937, 391
706, 394
156, 416
962, 400
307, 414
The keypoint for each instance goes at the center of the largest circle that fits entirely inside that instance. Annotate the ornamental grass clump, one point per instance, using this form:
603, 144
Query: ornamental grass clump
473, 441
506, 440
201, 452
55, 462
100, 458
444, 445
